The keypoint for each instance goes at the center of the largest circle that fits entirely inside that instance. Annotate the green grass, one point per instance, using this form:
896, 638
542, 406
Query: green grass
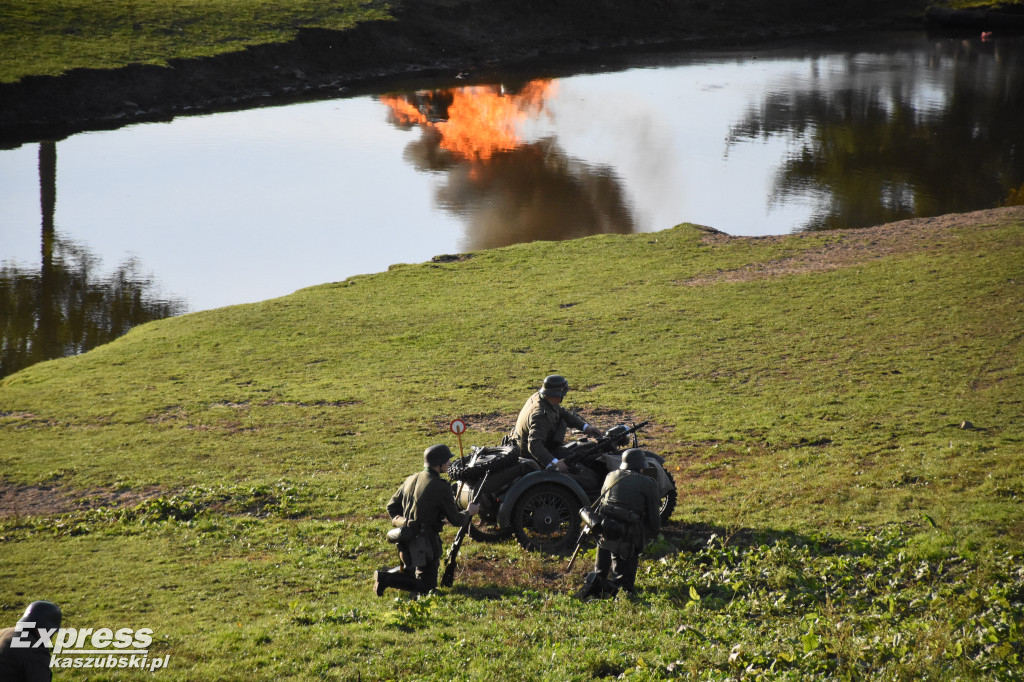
833, 520
50, 37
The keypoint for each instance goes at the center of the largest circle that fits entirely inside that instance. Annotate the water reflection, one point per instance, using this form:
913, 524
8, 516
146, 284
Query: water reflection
248, 205
507, 189
66, 307
882, 137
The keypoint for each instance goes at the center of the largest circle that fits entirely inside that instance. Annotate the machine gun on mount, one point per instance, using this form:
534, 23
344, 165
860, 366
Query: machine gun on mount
448, 578
584, 452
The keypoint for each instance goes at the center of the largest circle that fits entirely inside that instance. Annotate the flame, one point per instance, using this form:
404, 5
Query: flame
403, 112
479, 121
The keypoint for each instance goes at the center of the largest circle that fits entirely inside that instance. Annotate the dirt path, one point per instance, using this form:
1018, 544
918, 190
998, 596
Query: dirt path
17, 500
849, 247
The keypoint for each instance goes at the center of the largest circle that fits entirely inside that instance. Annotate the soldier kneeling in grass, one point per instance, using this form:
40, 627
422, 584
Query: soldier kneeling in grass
625, 517
418, 511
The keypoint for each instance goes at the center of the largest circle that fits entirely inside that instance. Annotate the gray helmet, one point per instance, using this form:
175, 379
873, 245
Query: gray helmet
45, 614
555, 385
633, 459
436, 455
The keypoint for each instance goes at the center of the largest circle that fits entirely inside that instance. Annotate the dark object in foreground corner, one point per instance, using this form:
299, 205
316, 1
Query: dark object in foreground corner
25, 648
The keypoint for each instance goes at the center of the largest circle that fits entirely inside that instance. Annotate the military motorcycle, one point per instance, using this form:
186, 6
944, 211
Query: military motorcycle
540, 507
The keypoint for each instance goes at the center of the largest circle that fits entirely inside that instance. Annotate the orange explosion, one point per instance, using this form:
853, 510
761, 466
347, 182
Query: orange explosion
481, 120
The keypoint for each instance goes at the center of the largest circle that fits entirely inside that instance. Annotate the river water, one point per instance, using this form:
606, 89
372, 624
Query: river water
209, 211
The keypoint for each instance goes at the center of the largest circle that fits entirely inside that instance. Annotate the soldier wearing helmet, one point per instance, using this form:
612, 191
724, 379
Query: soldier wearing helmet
418, 511
540, 429
22, 659
631, 505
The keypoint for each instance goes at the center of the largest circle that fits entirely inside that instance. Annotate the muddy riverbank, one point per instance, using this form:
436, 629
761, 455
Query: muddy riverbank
443, 38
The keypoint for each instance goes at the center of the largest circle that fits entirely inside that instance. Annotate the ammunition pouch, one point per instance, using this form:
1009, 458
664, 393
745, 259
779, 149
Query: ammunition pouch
612, 529
421, 551
623, 516
400, 535
630, 537
602, 524
404, 534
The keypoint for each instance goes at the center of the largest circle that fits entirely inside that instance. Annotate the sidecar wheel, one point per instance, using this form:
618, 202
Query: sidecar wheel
546, 519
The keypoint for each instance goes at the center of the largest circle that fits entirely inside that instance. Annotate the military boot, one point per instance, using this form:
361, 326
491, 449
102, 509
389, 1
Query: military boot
380, 582
609, 589
394, 578
593, 587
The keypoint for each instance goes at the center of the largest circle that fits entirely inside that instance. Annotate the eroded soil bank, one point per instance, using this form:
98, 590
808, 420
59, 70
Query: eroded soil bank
428, 37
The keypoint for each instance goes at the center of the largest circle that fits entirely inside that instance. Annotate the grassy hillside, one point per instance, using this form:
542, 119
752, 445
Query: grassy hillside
221, 477
49, 37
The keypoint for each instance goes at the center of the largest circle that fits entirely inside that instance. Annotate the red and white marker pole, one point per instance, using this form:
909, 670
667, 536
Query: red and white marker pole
457, 427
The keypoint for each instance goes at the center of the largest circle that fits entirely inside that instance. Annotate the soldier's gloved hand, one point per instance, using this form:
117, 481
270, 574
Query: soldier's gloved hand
398, 521
562, 466
593, 431
473, 508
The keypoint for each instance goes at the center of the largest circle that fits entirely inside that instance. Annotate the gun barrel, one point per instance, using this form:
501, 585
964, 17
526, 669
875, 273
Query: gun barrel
637, 427
449, 570
579, 544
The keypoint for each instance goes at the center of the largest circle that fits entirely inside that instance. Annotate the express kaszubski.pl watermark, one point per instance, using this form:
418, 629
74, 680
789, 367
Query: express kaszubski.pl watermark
102, 648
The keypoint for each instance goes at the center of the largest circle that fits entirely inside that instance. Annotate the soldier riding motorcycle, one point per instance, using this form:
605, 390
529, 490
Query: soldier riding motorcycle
541, 506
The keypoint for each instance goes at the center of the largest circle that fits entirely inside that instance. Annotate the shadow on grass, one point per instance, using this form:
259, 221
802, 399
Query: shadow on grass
792, 563
692, 537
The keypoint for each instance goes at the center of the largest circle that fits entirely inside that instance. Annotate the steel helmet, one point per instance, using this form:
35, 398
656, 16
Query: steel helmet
45, 614
633, 459
556, 385
436, 455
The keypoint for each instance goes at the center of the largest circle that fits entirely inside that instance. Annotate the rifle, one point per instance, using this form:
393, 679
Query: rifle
579, 544
453, 552
582, 450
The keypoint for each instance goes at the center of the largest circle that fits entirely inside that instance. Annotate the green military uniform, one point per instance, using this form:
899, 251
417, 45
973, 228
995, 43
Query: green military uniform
631, 499
540, 434
541, 427
423, 503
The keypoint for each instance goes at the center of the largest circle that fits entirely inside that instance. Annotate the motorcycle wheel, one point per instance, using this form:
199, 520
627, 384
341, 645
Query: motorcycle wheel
546, 519
668, 501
